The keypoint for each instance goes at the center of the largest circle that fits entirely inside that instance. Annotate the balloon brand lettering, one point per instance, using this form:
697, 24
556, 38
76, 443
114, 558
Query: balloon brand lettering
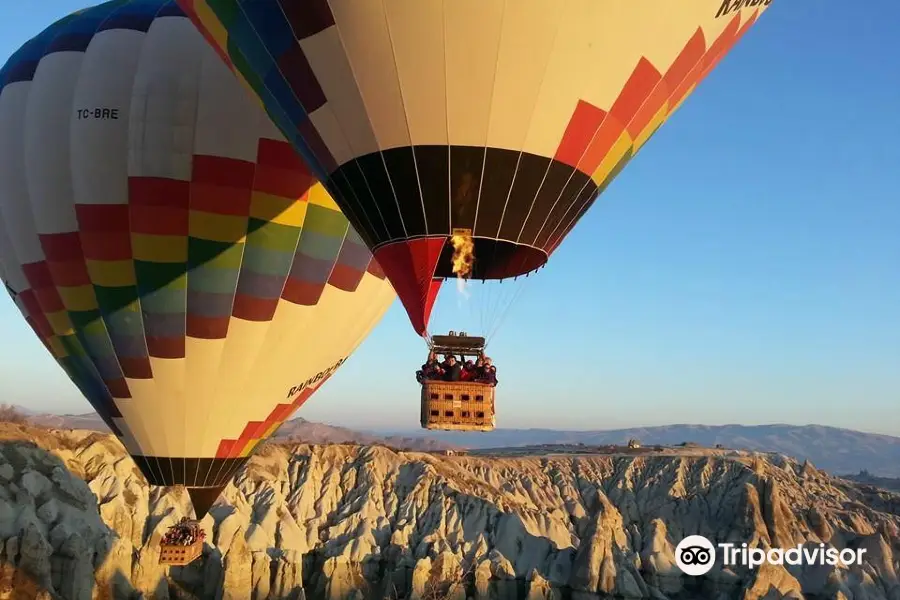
104, 114
729, 6
315, 378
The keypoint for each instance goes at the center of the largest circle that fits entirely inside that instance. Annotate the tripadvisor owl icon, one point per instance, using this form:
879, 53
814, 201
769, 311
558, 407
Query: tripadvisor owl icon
695, 555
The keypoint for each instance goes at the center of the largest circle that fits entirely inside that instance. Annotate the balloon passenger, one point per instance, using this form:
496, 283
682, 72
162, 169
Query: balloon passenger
453, 370
468, 371
432, 366
490, 376
431, 370
184, 533
478, 369
487, 372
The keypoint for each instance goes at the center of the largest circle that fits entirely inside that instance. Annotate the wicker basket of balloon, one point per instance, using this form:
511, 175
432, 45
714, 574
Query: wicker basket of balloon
458, 406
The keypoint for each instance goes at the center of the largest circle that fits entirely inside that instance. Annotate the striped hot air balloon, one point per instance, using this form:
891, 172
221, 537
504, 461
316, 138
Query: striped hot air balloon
167, 245
489, 125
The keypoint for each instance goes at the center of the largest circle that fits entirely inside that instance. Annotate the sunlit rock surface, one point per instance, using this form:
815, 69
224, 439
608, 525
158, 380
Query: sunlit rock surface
77, 520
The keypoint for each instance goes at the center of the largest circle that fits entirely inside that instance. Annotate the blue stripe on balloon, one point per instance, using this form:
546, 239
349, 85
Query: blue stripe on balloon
136, 15
275, 33
23, 63
252, 49
171, 9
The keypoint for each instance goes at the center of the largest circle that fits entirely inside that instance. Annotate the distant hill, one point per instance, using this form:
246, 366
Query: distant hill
830, 448
86, 421
301, 430
885, 483
297, 429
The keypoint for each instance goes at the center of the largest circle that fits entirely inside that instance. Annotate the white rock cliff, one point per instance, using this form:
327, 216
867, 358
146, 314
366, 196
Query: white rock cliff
78, 521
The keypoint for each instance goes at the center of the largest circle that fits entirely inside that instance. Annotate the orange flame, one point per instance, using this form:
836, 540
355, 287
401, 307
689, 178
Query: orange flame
463, 253
463, 257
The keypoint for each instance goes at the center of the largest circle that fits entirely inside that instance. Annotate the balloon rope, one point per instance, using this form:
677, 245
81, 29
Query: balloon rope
518, 293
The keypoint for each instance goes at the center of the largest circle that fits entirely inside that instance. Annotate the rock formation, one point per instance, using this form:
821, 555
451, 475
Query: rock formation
78, 521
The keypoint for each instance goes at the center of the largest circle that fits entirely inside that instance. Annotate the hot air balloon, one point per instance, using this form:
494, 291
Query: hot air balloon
167, 244
466, 138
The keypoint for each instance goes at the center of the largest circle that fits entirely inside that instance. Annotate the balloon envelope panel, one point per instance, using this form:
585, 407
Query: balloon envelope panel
167, 245
503, 119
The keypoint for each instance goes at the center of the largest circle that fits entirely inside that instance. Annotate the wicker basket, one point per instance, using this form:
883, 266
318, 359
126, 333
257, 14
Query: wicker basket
458, 406
171, 554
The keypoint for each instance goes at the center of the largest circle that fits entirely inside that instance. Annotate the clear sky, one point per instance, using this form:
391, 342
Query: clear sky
744, 268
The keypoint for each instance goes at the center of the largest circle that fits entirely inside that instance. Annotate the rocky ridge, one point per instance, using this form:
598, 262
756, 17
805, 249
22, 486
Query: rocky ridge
77, 520
833, 449
292, 430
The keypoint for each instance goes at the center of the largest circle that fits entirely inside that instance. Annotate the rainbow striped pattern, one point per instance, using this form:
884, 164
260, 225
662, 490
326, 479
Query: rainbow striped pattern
159, 261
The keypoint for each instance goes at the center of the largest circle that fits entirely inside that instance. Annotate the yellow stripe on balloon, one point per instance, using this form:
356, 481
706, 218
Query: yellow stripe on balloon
320, 197
654, 124
277, 209
272, 429
159, 248
612, 158
248, 448
60, 323
111, 273
211, 23
218, 228
78, 298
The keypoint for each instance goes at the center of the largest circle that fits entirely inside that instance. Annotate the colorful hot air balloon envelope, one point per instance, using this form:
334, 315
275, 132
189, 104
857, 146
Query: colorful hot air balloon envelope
498, 121
167, 245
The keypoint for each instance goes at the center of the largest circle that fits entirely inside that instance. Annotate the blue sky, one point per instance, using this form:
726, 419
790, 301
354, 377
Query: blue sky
744, 268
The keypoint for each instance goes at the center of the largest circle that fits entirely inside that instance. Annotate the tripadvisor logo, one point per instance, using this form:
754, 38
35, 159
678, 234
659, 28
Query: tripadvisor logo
695, 555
